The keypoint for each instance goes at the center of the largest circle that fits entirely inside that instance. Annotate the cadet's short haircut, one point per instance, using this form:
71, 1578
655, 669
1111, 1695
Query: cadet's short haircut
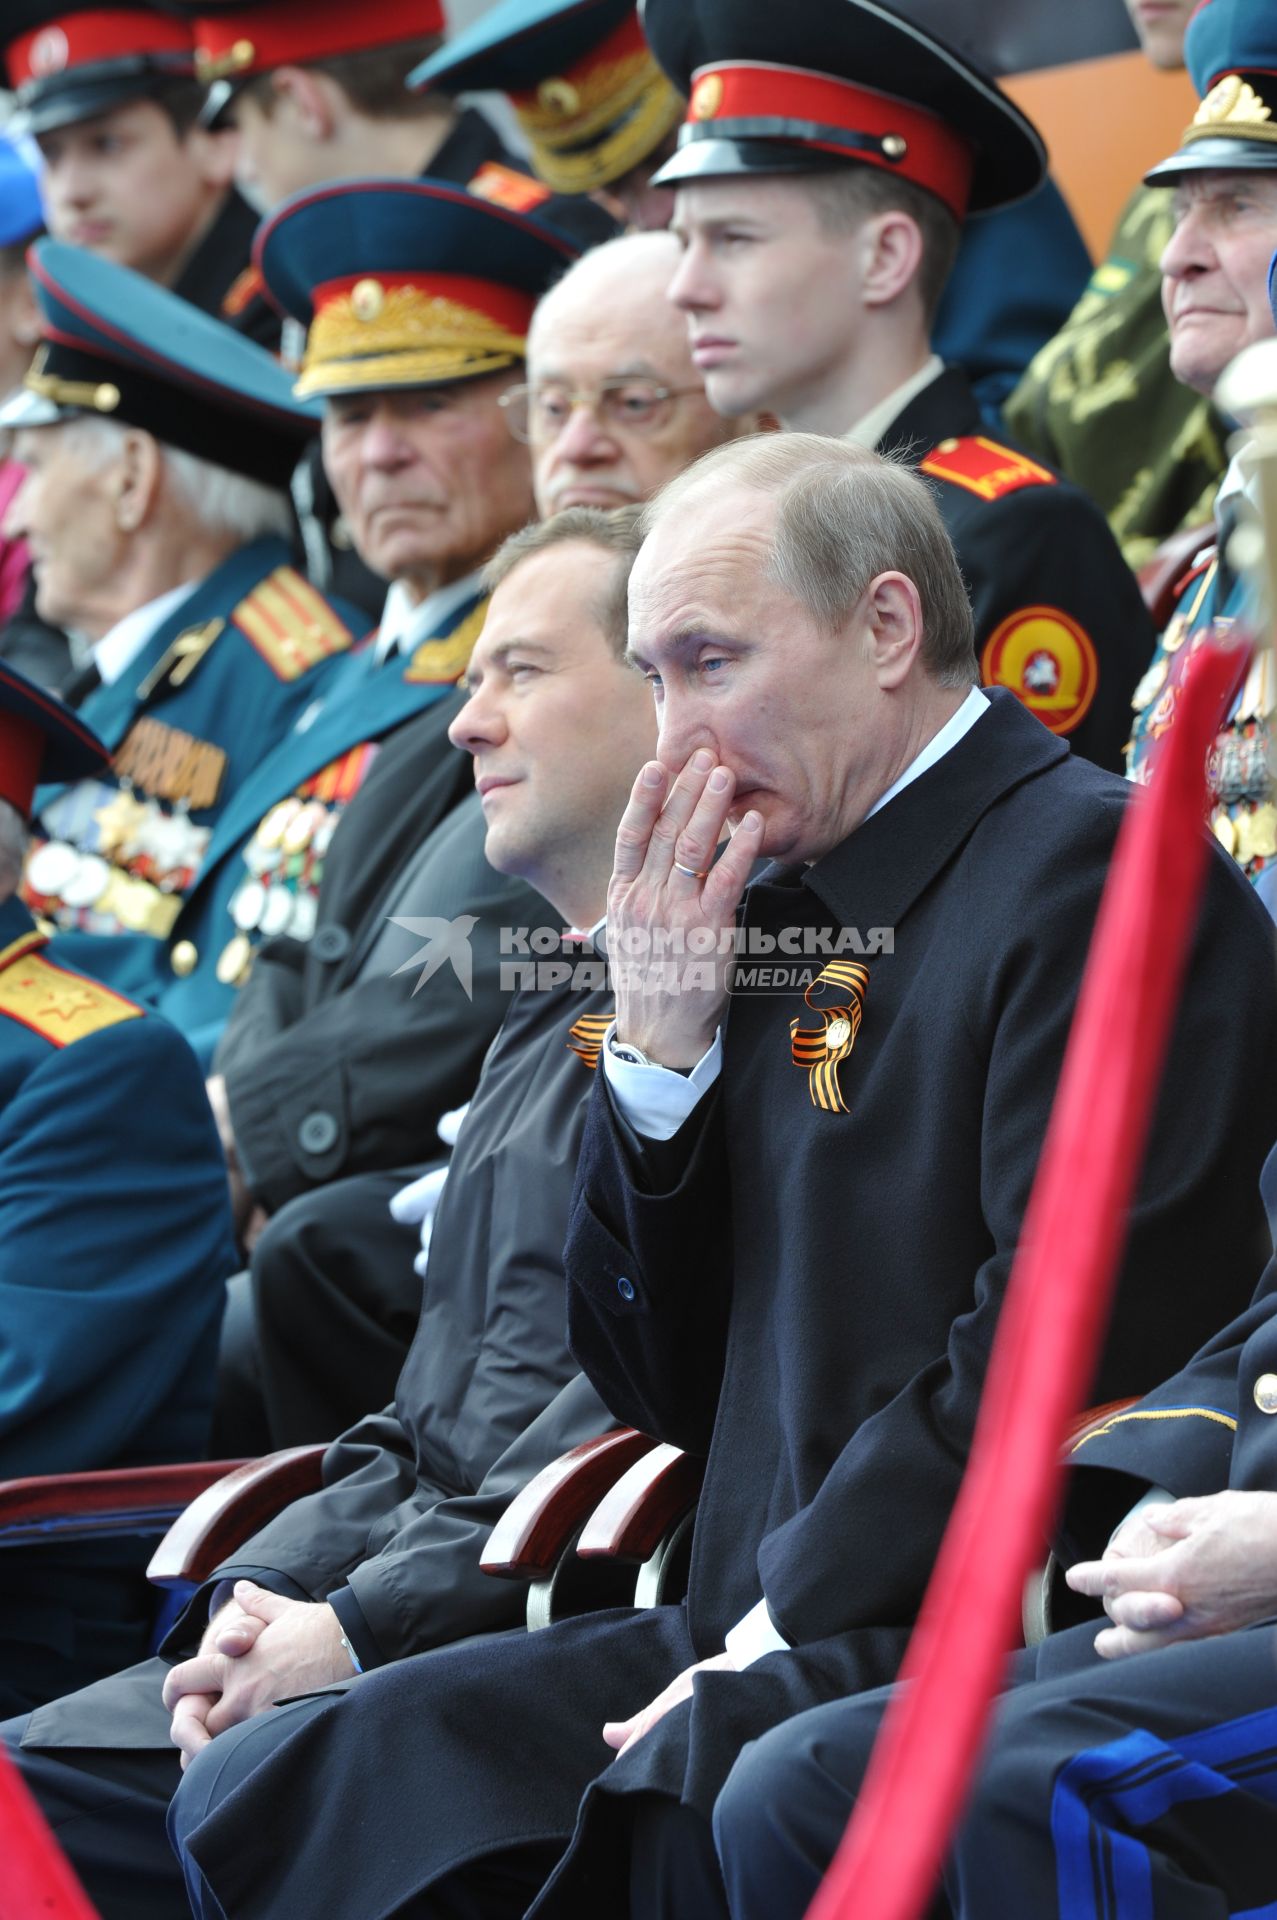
616, 533
374, 80
846, 197
183, 102
844, 515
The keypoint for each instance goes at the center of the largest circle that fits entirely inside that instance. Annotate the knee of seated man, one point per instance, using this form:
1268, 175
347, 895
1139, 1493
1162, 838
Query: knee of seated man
227, 1761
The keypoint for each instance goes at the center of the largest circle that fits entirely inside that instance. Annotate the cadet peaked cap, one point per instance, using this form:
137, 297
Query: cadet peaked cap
233, 42
1230, 49
590, 98
405, 283
67, 60
119, 346
21, 215
793, 86
40, 740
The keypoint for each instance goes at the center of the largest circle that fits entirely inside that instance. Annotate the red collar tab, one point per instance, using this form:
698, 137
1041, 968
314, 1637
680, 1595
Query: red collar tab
760, 101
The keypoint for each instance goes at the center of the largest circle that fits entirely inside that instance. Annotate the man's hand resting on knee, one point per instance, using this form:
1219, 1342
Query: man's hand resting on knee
258, 1648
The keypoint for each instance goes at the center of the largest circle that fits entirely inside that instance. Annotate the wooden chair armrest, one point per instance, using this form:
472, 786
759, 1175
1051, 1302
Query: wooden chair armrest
116, 1500
1092, 1420
537, 1526
228, 1513
635, 1515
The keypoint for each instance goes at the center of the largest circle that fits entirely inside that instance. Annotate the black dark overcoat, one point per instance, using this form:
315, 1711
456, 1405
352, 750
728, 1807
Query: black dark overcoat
809, 1296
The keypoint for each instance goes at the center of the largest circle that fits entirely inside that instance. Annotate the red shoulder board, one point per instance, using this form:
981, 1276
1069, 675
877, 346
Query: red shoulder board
243, 290
506, 188
984, 467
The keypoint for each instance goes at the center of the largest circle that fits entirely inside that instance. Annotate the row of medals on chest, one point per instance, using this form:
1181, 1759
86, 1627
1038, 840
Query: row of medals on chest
1240, 768
280, 891
118, 854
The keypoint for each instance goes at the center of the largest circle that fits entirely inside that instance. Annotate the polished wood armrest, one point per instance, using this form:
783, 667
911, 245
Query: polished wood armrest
227, 1513
635, 1514
116, 1500
537, 1526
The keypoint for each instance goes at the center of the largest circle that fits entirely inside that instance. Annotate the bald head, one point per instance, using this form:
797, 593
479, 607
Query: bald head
606, 331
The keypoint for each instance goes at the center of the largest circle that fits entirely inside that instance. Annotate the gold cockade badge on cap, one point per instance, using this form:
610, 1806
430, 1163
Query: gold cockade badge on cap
1232, 103
821, 1050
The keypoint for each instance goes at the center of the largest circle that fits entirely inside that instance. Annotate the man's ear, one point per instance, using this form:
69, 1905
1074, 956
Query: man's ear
309, 99
137, 479
894, 640
892, 255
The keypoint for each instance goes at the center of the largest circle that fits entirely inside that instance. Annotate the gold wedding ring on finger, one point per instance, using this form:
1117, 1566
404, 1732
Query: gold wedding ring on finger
693, 873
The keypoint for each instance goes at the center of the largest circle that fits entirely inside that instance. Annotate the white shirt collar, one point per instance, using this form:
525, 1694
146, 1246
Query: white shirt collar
958, 724
872, 426
117, 649
405, 621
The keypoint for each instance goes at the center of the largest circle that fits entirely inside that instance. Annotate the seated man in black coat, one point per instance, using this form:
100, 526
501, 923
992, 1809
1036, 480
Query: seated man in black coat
1147, 1782
384, 1559
797, 1207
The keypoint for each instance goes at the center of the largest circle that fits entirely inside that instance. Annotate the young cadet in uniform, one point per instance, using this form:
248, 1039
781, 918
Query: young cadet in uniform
387, 1553
599, 117
111, 97
318, 92
812, 264
1215, 293
114, 1237
752, 1273
158, 445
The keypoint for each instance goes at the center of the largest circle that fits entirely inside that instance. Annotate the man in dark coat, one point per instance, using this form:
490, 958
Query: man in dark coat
796, 1212
387, 1553
843, 212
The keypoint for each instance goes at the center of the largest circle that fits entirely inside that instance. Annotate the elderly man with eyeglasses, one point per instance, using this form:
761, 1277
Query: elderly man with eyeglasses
612, 406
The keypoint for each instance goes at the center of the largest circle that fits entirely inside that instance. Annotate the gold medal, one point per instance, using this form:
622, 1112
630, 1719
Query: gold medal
1263, 832
233, 960
1244, 850
273, 828
1224, 830
301, 828
1176, 633
1151, 685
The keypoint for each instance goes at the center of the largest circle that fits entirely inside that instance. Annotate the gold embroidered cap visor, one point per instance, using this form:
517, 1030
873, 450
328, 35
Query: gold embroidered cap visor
405, 283
589, 96
1230, 50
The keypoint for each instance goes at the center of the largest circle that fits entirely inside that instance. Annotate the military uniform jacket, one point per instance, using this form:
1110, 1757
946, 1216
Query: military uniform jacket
409, 1495
1058, 615
334, 1062
1210, 1426
189, 721
315, 769
116, 1234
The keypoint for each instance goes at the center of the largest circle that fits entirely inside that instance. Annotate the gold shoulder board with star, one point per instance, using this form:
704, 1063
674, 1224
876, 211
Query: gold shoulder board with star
60, 1006
291, 626
984, 467
446, 659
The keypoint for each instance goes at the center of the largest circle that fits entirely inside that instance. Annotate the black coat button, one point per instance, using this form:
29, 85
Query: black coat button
318, 1132
625, 1288
330, 943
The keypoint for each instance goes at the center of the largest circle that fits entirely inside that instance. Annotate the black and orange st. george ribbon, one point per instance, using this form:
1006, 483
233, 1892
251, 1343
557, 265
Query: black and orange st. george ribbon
585, 1037
821, 1050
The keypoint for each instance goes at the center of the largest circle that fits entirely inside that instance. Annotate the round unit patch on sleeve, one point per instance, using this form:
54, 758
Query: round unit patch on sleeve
1048, 661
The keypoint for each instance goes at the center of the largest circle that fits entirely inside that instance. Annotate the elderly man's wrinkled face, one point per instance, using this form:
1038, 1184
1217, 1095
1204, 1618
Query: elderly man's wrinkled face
126, 185
1215, 271
740, 667
428, 479
67, 511
615, 407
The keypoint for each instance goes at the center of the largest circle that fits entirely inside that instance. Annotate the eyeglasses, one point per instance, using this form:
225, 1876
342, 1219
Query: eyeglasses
537, 413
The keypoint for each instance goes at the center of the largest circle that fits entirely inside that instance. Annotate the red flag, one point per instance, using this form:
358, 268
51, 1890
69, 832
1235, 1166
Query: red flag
1049, 1333
36, 1882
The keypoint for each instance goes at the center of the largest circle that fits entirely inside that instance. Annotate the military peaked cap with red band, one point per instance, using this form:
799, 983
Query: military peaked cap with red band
406, 283
40, 740
117, 345
67, 60
804, 85
591, 100
1230, 49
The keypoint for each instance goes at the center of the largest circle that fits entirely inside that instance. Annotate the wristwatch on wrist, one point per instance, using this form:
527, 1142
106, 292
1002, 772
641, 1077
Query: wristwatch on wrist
635, 1057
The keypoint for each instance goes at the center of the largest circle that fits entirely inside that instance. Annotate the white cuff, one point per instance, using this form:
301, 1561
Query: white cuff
657, 1100
1155, 1497
754, 1636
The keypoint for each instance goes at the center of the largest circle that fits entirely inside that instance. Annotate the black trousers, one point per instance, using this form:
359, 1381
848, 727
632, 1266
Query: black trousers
335, 1302
1142, 1789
